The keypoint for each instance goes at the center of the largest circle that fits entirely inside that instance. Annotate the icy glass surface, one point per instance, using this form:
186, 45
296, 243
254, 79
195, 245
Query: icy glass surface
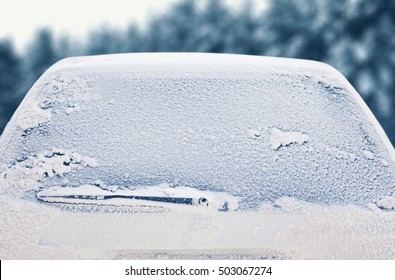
254, 131
195, 156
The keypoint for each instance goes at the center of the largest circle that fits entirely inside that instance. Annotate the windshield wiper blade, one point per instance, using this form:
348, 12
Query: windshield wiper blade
159, 196
176, 200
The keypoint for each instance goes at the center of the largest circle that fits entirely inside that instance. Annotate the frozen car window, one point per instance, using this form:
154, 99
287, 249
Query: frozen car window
249, 131
225, 132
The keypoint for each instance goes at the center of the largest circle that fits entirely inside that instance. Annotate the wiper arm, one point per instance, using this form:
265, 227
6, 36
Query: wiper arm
147, 196
176, 200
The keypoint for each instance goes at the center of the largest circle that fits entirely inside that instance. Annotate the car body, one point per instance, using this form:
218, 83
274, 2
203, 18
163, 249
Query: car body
145, 155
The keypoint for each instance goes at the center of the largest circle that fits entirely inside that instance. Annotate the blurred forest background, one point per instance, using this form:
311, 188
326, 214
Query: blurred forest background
355, 36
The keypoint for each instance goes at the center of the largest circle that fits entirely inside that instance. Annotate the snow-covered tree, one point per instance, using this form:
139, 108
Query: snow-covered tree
175, 30
106, 39
10, 77
41, 53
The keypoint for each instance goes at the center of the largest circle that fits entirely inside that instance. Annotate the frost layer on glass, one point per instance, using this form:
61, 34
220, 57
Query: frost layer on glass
254, 131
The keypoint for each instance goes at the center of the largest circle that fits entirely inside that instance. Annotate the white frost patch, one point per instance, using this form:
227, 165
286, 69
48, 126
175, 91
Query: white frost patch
32, 116
88, 161
26, 174
72, 108
384, 163
368, 154
289, 204
66, 92
386, 202
339, 154
286, 205
104, 186
279, 138
372, 207
253, 133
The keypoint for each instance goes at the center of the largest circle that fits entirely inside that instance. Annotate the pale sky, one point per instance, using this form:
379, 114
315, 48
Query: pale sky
20, 18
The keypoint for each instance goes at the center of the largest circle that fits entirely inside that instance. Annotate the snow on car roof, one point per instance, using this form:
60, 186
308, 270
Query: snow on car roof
188, 58
257, 128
